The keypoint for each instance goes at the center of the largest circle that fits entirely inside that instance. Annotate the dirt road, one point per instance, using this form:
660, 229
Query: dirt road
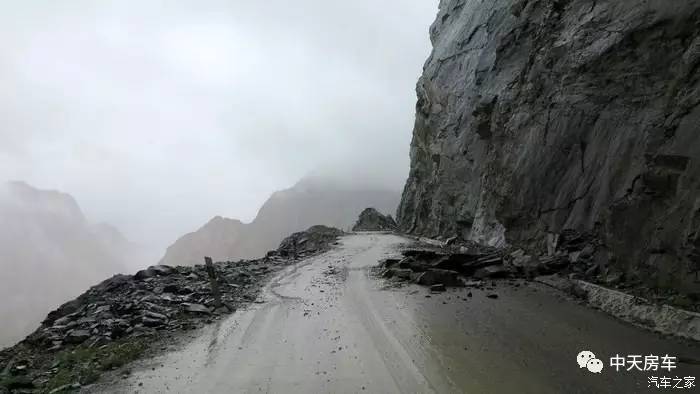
328, 326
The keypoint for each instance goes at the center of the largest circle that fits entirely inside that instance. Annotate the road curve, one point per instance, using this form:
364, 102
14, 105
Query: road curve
327, 326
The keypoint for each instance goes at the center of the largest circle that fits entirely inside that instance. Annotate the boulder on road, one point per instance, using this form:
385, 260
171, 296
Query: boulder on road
491, 272
313, 240
371, 220
439, 276
400, 273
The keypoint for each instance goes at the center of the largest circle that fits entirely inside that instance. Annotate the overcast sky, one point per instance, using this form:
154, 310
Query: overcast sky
158, 115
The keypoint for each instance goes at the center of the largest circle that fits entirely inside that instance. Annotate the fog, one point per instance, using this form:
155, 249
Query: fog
158, 115
49, 253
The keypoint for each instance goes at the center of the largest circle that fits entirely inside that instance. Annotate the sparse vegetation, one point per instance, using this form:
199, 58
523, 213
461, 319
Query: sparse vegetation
84, 365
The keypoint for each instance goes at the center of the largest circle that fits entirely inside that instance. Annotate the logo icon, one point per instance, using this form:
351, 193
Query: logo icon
594, 365
586, 359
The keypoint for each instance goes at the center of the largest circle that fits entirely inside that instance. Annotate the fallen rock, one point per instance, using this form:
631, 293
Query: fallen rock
148, 322
471, 267
316, 239
388, 263
491, 272
371, 220
451, 241
457, 261
437, 288
440, 276
553, 264
422, 254
144, 274
65, 388
156, 316
398, 273
162, 270
195, 308
592, 271
77, 336
613, 277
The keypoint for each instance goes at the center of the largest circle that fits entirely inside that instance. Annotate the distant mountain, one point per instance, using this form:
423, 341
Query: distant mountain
313, 200
49, 253
218, 239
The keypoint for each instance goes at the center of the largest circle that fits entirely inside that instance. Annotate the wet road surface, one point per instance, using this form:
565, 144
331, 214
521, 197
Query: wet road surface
328, 326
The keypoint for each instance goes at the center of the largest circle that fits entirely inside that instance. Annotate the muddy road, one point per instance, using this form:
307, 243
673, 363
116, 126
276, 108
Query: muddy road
328, 326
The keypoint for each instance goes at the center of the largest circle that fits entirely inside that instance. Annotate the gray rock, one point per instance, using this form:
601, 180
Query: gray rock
399, 273
534, 121
451, 241
388, 263
144, 274
313, 240
439, 276
371, 220
587, 252
438, 288
525, 263
65, 388
77, 336
149, 322
613, 277
163, 270
155, 316
574, 256
491, 272
553, 263
196, 308
63, 321
592, 271
474, 283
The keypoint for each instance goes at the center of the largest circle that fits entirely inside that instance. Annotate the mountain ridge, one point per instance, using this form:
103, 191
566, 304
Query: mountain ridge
311, 201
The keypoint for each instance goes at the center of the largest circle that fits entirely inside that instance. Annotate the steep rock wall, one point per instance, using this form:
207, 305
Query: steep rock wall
538, 116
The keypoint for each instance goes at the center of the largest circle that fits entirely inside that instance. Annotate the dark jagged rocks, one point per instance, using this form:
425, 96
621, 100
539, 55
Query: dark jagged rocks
538, 117
371, 220
128, 311
573, 256
315, 239
121, 318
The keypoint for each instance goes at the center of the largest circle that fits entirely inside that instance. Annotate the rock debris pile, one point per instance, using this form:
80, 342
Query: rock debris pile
371, 220
314, 240
571, 255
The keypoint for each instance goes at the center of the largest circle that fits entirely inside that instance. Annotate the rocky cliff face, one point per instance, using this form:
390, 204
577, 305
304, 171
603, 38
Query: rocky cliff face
310, 202
536, 117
